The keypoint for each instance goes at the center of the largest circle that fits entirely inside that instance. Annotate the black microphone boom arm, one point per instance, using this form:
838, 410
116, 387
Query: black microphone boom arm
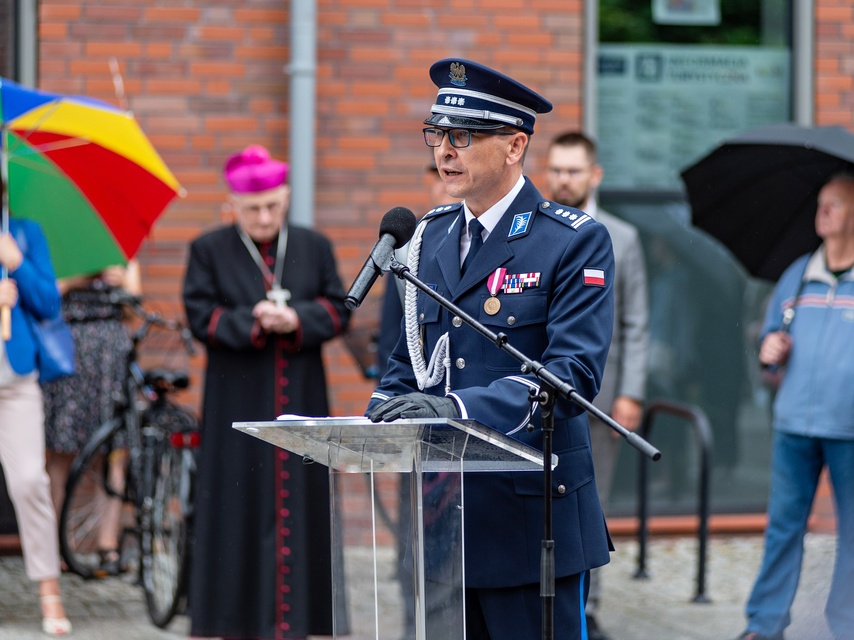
500, 340
552, 387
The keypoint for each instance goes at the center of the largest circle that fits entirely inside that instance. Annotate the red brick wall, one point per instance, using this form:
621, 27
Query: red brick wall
206, 78
834, 63
834, 105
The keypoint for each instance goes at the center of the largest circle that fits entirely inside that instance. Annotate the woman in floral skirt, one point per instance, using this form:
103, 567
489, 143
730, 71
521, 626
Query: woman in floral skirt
77, 405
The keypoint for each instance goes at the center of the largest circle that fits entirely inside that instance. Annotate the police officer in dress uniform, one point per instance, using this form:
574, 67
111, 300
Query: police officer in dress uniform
542, 273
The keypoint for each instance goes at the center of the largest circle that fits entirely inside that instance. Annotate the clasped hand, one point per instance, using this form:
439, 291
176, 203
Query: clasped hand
114, 276
11, 258
275, 319
10, 254
8, 293
414, 405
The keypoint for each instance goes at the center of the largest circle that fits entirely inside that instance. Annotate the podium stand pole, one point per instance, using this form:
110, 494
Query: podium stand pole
547, 558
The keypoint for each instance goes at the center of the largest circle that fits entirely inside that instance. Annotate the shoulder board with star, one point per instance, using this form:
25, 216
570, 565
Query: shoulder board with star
570, 216
442, 210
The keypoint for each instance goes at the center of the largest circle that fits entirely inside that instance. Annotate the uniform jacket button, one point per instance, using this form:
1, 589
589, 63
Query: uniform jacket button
461, 363
511, 320
457, 321
561, 489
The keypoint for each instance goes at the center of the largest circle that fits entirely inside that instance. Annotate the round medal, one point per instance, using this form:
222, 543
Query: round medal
492, 305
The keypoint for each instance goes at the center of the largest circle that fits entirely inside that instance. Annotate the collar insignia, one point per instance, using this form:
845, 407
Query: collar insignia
520, 224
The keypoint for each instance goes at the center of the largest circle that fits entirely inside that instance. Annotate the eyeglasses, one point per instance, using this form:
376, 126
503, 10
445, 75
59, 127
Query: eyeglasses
460, 138
573, 172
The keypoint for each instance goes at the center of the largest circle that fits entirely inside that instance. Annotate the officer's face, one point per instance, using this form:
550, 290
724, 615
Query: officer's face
834, 217
262, 214
436, 188
483, 172
572, 176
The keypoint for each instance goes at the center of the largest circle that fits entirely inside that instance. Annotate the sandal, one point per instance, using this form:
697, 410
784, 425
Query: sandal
110, 563
55, 626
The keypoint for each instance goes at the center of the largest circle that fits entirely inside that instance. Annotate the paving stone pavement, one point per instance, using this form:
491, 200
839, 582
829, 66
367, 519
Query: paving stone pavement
660, 607
109, 609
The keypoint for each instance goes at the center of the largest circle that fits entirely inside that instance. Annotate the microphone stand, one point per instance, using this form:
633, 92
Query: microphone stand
551, 387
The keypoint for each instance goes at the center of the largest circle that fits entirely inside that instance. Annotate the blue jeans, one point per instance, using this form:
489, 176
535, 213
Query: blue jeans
796, 463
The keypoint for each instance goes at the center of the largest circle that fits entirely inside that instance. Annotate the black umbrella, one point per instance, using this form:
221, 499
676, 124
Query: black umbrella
757, 192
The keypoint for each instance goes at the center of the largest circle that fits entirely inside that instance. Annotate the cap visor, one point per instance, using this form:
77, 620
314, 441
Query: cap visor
455, 122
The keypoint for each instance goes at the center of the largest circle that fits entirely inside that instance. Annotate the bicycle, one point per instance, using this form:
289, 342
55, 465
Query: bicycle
143, 457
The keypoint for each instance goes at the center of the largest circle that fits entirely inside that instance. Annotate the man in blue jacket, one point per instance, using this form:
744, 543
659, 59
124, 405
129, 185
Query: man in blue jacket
541, 273
809, 335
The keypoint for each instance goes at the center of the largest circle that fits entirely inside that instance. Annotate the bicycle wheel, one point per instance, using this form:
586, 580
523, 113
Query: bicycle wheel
165, 539
93, 500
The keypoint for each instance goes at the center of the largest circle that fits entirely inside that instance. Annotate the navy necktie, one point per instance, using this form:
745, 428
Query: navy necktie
476, 228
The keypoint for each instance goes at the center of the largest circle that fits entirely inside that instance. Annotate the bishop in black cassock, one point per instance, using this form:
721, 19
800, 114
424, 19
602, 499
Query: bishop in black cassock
263, 296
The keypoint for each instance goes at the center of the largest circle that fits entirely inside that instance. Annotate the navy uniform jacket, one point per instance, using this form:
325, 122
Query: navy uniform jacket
565, 324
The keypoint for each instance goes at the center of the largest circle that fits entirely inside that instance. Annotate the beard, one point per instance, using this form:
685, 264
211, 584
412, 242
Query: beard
570, 199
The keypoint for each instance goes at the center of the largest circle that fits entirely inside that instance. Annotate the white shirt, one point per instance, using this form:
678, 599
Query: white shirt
488, 218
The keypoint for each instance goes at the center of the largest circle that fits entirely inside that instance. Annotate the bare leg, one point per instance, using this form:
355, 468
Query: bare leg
54, 620
108, 537
51, 599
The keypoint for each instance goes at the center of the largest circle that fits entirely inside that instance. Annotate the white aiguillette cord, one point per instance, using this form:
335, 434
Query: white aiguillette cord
274, 279
440, 363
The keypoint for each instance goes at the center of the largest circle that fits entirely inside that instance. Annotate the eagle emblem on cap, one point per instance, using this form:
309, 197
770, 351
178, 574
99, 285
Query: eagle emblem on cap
458, 74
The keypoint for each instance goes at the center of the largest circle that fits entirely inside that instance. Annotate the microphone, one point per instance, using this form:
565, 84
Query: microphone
396, 229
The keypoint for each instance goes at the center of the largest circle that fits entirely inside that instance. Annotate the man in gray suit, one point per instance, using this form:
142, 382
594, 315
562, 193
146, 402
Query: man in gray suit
573, 174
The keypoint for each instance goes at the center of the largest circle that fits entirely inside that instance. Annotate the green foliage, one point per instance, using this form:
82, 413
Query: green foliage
741, 24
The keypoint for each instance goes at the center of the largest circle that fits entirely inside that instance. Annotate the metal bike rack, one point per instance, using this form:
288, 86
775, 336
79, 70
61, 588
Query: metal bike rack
703, 433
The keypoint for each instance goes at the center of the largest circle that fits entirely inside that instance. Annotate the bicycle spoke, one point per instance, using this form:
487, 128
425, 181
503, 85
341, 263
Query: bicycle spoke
84, 512
165, 545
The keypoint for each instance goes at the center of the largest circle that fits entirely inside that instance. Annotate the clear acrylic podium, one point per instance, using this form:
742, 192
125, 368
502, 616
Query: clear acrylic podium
397, 505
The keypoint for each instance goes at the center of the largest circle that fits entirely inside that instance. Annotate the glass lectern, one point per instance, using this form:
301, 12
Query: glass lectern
397, 506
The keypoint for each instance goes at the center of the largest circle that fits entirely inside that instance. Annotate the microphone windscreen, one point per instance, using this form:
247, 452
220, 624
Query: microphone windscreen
400, 223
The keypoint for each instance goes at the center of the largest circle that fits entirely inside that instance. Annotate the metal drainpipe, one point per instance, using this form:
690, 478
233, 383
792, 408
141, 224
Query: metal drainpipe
803, 55
26, 55
590, 72
302, 71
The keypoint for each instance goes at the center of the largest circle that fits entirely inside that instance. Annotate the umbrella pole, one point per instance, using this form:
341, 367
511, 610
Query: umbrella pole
5, 310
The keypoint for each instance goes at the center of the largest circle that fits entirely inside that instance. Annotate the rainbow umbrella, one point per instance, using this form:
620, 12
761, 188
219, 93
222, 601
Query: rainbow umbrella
85, 171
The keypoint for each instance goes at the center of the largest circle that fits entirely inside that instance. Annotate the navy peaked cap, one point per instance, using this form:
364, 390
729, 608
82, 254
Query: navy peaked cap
473, 96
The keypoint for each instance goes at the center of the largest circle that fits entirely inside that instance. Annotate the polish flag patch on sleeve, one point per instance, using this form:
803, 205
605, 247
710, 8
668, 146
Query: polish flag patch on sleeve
594, 277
